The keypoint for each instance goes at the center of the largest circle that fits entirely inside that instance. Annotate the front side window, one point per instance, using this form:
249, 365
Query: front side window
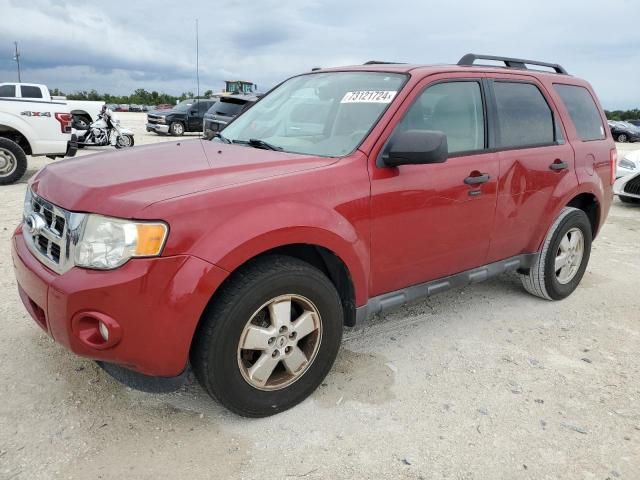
524, 117
454, 108
7, 91
582, 110
326, 114
30, 92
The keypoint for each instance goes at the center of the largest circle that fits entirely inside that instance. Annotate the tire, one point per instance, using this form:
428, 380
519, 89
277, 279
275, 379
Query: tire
81, 122
222, 366
543, 279
13, 161
621, 138
631, 200
124, 141
176, 129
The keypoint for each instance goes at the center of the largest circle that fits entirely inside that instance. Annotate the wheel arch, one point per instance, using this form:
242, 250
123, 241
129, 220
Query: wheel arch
82, 113
588, 203
16, 136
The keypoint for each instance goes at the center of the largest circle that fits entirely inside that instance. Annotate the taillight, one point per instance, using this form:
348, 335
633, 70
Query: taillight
65, 122
614, 164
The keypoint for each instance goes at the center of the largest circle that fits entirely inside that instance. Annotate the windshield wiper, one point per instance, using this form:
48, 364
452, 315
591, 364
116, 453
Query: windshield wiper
257, 143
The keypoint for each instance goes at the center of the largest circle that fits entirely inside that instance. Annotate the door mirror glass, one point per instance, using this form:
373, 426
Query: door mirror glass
416, 147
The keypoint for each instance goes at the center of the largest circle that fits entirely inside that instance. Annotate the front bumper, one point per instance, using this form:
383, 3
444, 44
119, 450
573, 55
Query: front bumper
628, 186
152, 307
157, 127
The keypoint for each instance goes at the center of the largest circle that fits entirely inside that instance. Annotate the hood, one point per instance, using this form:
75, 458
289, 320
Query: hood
123, 183
164, 112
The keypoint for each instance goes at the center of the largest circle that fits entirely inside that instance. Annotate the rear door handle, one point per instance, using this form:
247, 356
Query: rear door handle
559, 165
477, 179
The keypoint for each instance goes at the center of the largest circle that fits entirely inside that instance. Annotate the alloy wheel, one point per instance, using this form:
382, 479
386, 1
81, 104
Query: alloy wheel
569, 256
279, 342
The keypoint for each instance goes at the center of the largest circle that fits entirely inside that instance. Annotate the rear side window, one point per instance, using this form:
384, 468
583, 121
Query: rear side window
228, 109
30, 92
582, 110
524, 117
8, 91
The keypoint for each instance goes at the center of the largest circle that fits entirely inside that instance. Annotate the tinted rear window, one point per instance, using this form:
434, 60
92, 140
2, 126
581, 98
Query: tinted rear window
8, 91
524, 117
228, 109
582, 110
31, 92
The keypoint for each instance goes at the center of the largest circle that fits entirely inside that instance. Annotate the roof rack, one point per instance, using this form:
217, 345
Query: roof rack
378, 62
470, 58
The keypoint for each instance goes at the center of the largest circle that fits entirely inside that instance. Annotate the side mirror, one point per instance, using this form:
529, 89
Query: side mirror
416, 147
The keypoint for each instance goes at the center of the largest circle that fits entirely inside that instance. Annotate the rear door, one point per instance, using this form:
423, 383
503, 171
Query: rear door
536, 162
427, 222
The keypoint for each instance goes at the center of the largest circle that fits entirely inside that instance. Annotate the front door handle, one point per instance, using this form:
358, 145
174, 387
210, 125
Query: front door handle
559, 165
477, 179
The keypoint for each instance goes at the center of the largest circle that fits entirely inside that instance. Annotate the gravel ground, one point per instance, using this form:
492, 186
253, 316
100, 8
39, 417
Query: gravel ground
486, 382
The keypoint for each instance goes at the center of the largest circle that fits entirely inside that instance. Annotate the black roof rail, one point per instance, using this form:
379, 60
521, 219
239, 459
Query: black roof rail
378, 62
470, 58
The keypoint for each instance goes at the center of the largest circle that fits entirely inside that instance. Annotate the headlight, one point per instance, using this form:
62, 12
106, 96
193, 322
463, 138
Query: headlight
28, 202
628, 164
107, 243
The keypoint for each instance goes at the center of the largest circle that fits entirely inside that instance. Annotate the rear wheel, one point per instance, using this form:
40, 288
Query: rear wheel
269, 338
563, 259
13, 161
81, 122
622, 138
176, 128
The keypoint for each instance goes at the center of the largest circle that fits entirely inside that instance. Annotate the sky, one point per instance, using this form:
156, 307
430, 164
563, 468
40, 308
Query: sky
118, 46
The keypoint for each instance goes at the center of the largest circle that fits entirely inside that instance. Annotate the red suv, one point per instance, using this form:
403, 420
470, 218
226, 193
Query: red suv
342, 193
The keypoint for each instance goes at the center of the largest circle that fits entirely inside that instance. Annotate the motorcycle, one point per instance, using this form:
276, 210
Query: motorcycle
104, 131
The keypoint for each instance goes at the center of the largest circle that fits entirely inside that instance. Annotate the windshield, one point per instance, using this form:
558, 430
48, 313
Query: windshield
183, 106
327, 114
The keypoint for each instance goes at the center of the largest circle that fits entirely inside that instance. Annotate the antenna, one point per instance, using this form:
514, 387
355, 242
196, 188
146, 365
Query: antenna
197, 63
17, 59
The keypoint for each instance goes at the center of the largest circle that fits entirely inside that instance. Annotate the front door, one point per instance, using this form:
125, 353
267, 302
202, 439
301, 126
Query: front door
430, 221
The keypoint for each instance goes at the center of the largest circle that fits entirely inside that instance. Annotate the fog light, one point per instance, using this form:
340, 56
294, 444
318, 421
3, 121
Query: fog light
104, 331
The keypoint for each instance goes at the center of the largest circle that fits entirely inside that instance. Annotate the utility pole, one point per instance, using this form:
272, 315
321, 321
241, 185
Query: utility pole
197, 63
17, 59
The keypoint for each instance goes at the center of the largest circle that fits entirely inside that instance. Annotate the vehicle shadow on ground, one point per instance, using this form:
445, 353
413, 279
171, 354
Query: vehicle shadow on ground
350, 377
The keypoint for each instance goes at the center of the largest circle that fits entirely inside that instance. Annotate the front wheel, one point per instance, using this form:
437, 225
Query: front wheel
176, 129
622, 138
13, 161
269, 337
124, 141
560, 265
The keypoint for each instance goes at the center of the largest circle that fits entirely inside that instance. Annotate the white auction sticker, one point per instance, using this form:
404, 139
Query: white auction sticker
369, 96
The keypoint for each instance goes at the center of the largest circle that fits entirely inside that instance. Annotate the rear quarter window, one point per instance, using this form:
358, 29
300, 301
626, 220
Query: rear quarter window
582, 110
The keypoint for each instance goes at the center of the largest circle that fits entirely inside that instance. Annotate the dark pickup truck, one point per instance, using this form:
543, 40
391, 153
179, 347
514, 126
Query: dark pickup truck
186, 116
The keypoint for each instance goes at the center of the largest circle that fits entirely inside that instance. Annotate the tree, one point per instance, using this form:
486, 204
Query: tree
208, 93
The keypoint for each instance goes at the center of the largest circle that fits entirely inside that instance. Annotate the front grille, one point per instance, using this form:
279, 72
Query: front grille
153, 118
51, 242
633, 186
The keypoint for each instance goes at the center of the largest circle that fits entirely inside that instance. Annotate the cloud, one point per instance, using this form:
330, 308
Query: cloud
120, 46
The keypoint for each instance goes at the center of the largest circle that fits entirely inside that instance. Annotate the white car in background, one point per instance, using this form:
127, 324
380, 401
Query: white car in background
628, 188
628, 164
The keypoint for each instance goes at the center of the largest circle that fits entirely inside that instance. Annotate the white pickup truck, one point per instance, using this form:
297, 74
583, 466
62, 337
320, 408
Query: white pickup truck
84, 111
32, 126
